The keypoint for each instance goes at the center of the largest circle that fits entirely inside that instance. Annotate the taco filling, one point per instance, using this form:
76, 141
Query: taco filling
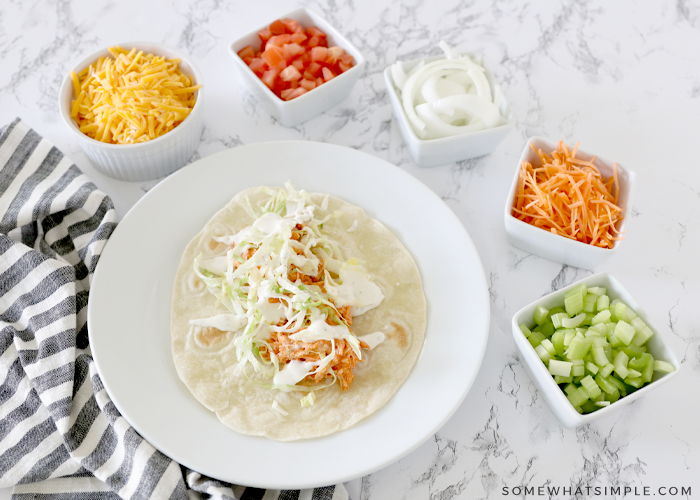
291, 295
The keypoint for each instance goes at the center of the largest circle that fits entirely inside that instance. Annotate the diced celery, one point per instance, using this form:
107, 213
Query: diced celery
642, 336
638, 323
589, 301
587, 321
620, 364
535, 339
612, 397
577, 380
599, 328
578, 409
638, 363
632, 350
614, 341
563, 380
573, 322
599, 356
541, 315
605, 384
619, 384
556, 319
526, 331
578, 371
542, 353
556, 310
547, 344
630, 314
560, 368
602, 303
578, 397
568, 337
570, 388
648, 371
578, 348
663, 366
580, 289
602, 317
591, 367
633, 374
619, 311
624, 331
602, 404
636, 382
599, 397
589, 407
590, 386
598, 290
599, 342
577, 362
607, 370
574, 304
558, 342
547, 329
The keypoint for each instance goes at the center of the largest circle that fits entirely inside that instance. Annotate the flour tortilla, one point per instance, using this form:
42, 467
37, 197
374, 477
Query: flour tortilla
208, 371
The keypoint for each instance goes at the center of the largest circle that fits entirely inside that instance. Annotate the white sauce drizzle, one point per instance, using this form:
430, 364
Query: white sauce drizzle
373, 339
293, 372
356, 291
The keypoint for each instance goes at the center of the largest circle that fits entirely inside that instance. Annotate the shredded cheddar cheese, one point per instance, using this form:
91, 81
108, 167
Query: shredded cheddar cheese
131, 97
569, 197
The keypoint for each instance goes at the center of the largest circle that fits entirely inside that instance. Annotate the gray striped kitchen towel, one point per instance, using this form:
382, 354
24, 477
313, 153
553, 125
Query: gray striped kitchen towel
60, 435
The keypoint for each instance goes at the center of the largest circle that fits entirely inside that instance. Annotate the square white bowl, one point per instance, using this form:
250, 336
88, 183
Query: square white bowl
434, 152
553, 395
314, 102
553, 246
147, 160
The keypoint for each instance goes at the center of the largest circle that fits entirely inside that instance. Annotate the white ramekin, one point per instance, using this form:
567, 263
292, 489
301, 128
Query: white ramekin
149, 160
318, 100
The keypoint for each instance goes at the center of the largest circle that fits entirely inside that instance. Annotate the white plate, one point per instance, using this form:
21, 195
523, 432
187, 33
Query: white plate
129, 315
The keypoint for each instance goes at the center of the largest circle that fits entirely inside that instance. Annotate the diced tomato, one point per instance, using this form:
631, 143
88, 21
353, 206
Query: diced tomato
291, 25
298, 37
308, 84
314, 31
333, 54
347, 59
290, 73
273, 55
269, 77
279, 40
296, 93
285, 93
292, 50
257, 65
327, 74
344, 67
319, 54
246, 52
314, 68
314, 41
278, 28
299, 65
264, 36
320, 81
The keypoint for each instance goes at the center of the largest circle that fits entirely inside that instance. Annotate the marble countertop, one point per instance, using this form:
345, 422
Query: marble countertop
620, 77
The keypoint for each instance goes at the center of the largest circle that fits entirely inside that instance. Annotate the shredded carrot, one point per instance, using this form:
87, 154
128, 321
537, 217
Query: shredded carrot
568, 196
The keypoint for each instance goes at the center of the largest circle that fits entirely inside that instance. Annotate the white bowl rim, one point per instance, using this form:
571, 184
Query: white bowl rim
278, 101
390, 88
65, 115
566, 241
587, 418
